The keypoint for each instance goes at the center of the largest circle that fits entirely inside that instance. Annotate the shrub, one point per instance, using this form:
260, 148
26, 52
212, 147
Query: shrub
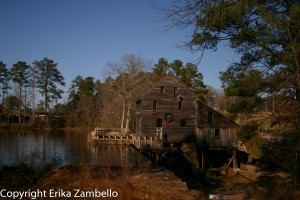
246, 132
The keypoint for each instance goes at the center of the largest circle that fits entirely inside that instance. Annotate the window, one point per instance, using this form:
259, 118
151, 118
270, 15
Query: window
154, 105
162, 89
175, 90
138, 104
183, 123
179, 105
217, 132
210, 119
158, 122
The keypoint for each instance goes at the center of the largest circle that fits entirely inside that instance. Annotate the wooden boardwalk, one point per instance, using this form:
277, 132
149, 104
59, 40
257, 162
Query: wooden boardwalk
117, 136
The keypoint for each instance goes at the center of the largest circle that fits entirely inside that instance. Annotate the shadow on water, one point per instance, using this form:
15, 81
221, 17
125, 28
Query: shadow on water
176, 162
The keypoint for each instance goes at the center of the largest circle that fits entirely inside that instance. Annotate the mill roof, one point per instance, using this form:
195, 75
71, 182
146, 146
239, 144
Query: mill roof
162, 80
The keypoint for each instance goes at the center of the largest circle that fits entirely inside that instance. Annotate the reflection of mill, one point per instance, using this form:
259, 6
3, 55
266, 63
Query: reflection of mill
115, 155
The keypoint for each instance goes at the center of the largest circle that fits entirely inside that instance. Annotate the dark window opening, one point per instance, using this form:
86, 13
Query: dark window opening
138, 105
154, 105
217, 132
183, 123
162, 89
210, 117
158, 122
175, 90
179, 105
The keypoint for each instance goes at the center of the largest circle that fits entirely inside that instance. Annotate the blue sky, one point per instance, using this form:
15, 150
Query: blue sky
83, 36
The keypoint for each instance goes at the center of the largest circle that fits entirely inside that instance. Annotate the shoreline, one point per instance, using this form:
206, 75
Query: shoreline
31, 127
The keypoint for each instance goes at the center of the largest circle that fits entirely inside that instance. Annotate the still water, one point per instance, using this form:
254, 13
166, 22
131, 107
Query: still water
39, 148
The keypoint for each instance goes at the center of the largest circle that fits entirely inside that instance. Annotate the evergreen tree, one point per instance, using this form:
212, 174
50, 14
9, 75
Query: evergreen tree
161, 68
11, 103
246, 87
187, 73
4, 79
73, 91
20, 75
82, 97
49, 77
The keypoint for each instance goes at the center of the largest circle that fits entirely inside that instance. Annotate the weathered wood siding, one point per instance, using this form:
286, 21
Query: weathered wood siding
214, 129
167, 94
206, 137
217, 119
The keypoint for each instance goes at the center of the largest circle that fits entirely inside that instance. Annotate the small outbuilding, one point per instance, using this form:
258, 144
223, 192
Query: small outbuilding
214, 129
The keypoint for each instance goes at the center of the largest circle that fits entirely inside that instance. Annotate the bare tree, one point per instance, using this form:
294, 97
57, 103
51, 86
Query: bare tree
130, 81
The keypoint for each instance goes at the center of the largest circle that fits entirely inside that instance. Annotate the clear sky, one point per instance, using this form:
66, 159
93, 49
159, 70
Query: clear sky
83, 36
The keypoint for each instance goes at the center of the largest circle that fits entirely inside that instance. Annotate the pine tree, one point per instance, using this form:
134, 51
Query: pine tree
49, 77
20, 75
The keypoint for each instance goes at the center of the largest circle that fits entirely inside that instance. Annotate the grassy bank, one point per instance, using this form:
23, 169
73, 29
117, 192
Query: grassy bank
129, 183
145, 182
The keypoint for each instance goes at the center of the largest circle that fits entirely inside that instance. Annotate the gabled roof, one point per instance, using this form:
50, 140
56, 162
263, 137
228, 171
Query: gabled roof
161, 80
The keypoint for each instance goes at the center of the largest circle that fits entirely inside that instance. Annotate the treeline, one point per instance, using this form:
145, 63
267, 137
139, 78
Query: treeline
90, 102
21, 99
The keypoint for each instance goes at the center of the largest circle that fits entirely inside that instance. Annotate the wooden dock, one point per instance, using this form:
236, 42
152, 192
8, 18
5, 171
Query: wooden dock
117, 136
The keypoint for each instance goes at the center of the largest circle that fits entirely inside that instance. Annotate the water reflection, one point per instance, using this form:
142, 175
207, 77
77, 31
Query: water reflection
38, 148
115, 155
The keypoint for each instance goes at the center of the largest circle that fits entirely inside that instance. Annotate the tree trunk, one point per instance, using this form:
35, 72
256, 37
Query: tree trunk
123, 115
127, 119
45, 103
20, 103
3, 93
33, 104
46, 110
25, 99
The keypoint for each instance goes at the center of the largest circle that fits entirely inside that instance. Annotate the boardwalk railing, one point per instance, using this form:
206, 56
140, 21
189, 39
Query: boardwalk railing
117, 136
147, 143
108, 131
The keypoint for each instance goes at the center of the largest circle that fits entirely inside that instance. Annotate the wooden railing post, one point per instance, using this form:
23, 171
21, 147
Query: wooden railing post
159, 132
203, 160
139, 142
234, 158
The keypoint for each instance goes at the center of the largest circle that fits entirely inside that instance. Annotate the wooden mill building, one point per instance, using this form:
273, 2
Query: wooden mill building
168, 99
171, 108
171, 111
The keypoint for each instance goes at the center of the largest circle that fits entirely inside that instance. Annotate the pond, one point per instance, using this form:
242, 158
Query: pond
39, 148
